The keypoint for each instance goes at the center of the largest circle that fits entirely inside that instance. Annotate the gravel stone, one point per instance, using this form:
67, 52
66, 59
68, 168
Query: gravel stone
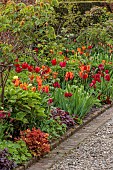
94, 153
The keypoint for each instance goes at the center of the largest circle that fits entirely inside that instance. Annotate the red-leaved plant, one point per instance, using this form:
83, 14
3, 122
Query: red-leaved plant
36, 140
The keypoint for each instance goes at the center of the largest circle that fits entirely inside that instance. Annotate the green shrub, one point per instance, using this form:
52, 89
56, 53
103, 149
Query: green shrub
25, 106
54, 128
18, 150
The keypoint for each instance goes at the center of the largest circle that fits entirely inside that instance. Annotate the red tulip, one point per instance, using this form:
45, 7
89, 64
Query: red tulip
17, 65
36, 49
56, 85
54, 62
37, 69
18, 69
68, 94
63, 64
107, 77
90, 47
106, 71
30, 68
24, 65
101, 67
50, 101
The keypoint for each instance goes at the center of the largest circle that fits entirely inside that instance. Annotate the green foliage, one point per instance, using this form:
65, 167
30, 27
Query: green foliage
18, 150
25, 105
54, 128
78, 104
16, 18
5, 129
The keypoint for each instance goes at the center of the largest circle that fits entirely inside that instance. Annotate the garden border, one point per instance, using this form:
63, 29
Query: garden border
69, 133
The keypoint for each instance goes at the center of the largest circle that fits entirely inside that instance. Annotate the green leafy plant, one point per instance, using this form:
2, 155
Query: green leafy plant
18, 150
54, 128
25, 107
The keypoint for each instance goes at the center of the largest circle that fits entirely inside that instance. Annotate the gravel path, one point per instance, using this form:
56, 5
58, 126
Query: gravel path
94, 153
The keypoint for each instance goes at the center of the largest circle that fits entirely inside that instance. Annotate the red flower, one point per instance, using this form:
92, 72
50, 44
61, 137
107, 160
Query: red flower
36, 49
63, 64
50, 101
73, 51
97, 77
54, 62
85, 76
92, 84
45, 89
30, 68
16, 60
107, 77
4, 114
67, 50
90, 47
68, 94
18, 69
106, 71
24, 65
81, 53
60, 52
56, 85
37, 69
17, 65
101, 67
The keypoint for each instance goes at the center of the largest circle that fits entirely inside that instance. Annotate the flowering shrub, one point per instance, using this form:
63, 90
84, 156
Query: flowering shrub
36, 140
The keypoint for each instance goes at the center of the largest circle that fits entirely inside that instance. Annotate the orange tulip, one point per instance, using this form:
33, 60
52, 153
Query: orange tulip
17, 82
83, 48
24, 86
43, 67
31, 77
66, 58
39, 80
55, 75
39, 88
33, 89
83, 75
60, 52
85, 68
69, 75
103, 61
45, 89
79, 50
73, 51
88, 68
